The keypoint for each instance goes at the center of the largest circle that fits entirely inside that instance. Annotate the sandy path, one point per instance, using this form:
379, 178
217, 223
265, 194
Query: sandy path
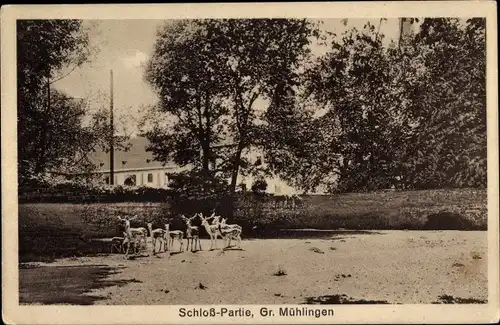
394, 266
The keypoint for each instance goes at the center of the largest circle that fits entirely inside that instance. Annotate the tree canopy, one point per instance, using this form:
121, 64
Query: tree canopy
216, 78
367, 114
52, 135
407, 115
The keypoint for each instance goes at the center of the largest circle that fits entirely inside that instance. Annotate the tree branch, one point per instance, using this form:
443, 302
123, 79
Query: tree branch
64, 76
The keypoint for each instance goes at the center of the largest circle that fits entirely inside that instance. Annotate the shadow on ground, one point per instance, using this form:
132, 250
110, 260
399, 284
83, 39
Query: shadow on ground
447, 299
339, 300
65, 284
312, 234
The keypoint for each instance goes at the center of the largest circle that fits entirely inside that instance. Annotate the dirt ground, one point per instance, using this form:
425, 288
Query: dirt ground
384, 267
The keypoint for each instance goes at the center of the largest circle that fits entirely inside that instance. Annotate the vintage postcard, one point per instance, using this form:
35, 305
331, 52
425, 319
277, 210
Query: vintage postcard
257, 163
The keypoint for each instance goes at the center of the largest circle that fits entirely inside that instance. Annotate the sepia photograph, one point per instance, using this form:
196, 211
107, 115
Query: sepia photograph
296, 163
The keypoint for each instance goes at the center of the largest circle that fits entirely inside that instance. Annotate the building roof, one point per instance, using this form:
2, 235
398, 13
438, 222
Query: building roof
135, 158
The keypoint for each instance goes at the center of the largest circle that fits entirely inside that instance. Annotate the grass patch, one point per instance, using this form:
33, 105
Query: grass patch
280, 272
316, 250
201, 286
340, 300
476, 256
463, 209
447, 299
457, 264
51, 230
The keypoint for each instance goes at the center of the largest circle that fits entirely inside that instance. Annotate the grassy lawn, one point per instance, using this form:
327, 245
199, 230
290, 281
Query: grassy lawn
51, 230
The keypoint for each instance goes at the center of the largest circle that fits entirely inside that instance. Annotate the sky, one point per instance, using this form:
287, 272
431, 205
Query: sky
125, 45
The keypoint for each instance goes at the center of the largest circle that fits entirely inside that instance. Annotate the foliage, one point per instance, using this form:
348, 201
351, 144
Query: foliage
448, 220
447, 100
183, 72
294, 148
407, 116
49, 188
43, 48
210, 75
362, 117
259, 186
52, 135
353, 81
361, 211
196, 191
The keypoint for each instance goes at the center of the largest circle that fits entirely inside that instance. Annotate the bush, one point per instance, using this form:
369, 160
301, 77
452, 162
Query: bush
197, 191
58, 190
259, 186
449, 221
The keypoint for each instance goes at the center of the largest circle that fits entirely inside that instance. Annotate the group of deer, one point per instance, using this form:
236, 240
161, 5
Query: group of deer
137, 236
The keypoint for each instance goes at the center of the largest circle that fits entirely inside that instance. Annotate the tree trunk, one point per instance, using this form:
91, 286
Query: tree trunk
202, 135
206, 158
207, 154
234, 179
42, 145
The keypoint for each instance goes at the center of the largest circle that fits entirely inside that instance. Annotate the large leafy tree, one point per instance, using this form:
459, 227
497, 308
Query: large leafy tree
215, 79
447, 101
49, 123
410, 115
262, 58
353, 82
293, 142
55, 132
184, 72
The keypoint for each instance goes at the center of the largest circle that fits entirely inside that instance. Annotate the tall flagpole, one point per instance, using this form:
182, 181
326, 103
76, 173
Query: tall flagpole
112, 133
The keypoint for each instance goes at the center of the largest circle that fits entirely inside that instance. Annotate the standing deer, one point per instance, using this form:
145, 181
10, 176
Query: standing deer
212, 229
157, 235
192, 233
170, 235
229, 232
132, 235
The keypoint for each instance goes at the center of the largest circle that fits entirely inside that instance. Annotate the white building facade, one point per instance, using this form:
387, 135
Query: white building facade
136, 167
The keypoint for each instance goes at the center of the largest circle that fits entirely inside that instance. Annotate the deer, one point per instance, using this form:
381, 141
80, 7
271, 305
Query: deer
192, 233
157, 235
170, 235
216, 219
132, 235
144, 231
229, 232
212, 229
224, 224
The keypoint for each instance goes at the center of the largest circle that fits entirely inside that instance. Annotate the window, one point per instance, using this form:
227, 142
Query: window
150, 178
130, 181
106, 179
